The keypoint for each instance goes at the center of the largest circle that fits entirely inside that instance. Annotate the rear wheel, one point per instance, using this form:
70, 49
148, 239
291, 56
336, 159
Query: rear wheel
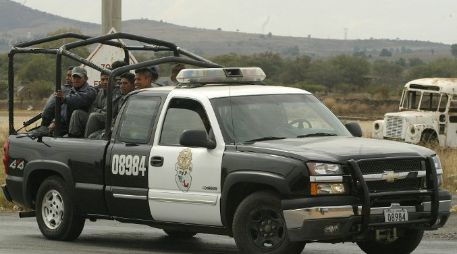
259, 227
404, 244
56, 214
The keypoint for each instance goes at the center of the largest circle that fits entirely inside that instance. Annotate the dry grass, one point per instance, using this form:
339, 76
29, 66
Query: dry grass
3, 134
359, 105
449, 162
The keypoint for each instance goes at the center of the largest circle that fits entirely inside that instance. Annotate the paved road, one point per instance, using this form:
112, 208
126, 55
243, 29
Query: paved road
19, 236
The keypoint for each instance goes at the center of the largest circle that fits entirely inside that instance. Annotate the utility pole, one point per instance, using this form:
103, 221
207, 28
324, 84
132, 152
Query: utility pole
111, 15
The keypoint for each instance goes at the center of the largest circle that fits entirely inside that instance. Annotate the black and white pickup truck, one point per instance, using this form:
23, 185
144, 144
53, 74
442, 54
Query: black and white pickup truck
221, 153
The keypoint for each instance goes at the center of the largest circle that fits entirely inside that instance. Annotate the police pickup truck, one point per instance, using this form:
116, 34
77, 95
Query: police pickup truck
222, 153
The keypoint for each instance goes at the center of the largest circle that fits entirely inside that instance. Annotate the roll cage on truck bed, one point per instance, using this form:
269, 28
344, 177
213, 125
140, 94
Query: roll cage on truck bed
272, 193
180, 56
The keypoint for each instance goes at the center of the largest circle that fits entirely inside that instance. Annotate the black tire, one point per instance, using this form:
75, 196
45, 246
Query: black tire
405, 244
259, 226
56, 215
179, 234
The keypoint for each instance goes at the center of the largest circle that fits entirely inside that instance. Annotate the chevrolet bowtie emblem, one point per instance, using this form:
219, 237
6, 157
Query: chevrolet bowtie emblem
390, 176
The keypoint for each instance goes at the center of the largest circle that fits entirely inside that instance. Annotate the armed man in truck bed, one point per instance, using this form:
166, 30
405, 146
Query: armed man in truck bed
79, 96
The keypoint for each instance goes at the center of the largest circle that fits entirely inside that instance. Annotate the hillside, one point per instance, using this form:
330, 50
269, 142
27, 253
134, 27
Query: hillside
19, 23
215, 42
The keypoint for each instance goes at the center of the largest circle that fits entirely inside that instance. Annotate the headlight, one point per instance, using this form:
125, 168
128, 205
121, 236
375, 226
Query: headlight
412, 130
317, 168
436, 160
439, 169
377, 126
328, 189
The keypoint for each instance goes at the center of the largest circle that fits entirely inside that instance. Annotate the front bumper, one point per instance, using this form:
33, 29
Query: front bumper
344, 221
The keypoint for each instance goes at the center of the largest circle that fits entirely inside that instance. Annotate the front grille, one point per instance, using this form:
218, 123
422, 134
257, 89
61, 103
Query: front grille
368, 167
396, 165
394, 126
399, 185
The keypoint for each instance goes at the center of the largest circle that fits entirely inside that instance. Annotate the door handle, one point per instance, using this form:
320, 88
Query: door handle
156, 161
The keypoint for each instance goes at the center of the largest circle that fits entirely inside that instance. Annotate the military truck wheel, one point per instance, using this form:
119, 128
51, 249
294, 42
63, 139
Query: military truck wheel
179, 234
56, 215
259, 226
405, 244
429, 138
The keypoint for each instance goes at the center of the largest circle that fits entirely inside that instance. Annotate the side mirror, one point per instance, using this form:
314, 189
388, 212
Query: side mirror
354, 129
196, 138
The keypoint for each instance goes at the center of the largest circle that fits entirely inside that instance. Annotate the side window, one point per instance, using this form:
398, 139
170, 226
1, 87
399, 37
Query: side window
453, 106
443, 103
182, 114
430, 101
412, 99
138, 119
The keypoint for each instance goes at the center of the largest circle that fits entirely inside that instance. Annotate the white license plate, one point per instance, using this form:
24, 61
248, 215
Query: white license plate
395, 215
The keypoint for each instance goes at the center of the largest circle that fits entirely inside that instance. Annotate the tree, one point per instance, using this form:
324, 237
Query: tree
360, 54
385, 53
354, 70
324, 73
401, 62
444, 68
37, 67
387, 73
82, 51
40, 89
3, 89
415, 62
271, 63
295, 70
454, 50
291, 51
233, 59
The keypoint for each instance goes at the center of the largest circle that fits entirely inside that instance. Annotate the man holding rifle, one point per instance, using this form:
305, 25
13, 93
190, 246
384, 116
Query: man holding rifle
79, 96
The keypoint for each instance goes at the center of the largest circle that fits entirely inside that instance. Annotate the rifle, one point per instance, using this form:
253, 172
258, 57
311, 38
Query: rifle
30, 121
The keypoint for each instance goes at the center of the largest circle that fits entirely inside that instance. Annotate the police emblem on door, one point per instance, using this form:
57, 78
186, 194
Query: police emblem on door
183, 169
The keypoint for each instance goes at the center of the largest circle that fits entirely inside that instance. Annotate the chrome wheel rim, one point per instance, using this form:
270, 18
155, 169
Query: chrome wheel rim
52, 209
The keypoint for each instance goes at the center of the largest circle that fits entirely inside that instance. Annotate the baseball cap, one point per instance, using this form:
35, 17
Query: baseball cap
79, 71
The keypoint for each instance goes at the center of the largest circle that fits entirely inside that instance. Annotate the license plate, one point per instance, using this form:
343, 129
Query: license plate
395, 215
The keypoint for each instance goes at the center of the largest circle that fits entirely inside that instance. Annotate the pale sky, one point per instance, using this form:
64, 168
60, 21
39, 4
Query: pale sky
426, 20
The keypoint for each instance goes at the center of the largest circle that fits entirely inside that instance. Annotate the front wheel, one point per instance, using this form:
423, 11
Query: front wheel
56, 214
259, 226
404, 244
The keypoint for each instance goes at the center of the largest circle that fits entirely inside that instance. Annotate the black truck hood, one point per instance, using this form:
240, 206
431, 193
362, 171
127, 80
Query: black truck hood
336, 149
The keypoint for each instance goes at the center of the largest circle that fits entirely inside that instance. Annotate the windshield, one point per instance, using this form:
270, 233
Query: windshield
423, 100
245, 119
